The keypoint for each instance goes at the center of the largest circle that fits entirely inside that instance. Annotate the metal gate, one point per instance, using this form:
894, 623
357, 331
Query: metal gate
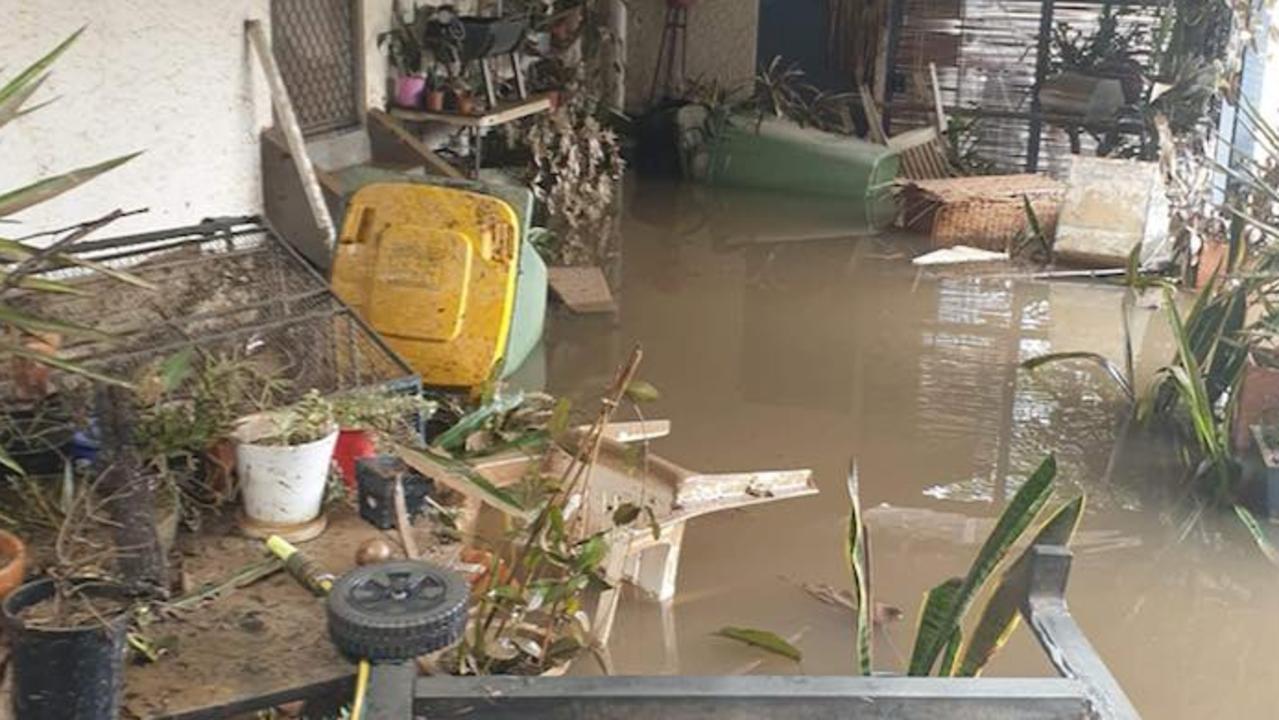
315, 45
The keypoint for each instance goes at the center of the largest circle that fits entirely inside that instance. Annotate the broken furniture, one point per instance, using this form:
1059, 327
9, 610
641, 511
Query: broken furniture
925, 151
673, 494
1112, 207
986, 211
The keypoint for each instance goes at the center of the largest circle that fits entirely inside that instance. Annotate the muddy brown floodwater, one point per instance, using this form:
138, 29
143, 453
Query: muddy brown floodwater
774, 353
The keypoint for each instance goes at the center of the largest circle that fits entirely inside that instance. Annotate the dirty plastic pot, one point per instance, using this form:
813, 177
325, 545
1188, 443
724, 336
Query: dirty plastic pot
73, 673
38, 440
282, 484
353, 445
13, 555
409, 90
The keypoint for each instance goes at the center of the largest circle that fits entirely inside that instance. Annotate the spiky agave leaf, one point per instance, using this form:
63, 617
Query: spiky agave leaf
51, 187
1000, 617
16, 91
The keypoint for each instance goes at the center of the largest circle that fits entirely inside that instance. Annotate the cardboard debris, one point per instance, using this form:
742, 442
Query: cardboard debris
959, 255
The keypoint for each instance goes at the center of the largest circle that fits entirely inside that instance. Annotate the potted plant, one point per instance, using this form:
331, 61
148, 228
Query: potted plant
282, 462
68, 642
365, 418
404, 50
463, 98
435, 93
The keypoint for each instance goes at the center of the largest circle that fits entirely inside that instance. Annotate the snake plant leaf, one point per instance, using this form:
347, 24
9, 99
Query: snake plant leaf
1114, 371
932, 624
58, 363
762, 639
858, 551
1000, 617
27, 322
23, 84
51, 187
1258, 534
1019, 514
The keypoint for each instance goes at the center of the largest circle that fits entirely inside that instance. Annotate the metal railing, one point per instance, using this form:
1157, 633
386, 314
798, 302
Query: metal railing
1084, 689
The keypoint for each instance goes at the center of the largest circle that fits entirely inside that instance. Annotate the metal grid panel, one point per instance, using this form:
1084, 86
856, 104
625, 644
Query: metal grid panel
231, 291
986, 52
314, 44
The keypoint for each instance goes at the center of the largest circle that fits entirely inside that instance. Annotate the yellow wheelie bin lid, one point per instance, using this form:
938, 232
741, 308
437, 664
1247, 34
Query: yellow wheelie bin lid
433, 270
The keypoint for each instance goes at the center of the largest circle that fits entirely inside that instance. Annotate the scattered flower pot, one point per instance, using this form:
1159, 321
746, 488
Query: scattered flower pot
435, 98
465, 103
71, 666
13, 562
409, 90
353, 444
282, 462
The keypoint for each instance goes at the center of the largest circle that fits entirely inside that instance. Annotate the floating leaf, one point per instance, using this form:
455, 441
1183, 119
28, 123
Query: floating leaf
763, 640
626, 514
642, 392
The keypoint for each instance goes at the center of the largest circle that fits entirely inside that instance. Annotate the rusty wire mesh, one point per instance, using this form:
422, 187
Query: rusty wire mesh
230, 290
314, 42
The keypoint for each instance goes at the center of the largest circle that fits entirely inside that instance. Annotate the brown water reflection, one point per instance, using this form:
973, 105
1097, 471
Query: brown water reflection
806, 354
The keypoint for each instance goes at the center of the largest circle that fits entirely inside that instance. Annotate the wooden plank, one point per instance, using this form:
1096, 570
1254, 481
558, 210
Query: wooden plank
385, 127
500, 115
583, 289
292, 130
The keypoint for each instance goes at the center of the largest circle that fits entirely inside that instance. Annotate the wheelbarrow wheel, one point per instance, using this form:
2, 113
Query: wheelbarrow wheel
397, 610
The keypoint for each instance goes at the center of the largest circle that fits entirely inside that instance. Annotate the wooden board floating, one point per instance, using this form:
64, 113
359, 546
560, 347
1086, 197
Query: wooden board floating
583, 290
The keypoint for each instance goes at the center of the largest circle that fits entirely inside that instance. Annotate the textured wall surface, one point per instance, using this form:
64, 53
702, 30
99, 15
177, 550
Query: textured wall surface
722, 35
172, 77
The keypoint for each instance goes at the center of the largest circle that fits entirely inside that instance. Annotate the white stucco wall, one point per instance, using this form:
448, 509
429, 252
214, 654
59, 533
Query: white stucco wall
172, 77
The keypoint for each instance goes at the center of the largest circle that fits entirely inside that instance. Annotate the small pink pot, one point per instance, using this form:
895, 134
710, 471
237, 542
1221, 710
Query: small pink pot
408, 91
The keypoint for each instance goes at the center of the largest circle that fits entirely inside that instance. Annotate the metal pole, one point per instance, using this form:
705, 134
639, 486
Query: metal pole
1041, 70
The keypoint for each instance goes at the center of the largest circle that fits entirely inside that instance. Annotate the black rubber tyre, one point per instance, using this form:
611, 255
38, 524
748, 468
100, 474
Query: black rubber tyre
397, 610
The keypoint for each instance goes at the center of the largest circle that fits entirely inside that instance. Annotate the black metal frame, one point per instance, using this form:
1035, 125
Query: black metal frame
1085, 689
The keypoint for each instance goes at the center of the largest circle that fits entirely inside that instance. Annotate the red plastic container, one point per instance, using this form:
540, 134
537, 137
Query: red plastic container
353, 445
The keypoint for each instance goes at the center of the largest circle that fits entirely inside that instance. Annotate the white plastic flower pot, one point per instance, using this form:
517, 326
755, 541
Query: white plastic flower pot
282, 484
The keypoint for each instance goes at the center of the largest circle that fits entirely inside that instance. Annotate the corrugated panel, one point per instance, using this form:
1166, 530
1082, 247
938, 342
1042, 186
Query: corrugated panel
986, 53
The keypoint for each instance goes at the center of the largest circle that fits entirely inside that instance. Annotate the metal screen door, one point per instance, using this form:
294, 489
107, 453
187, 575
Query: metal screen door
315, 45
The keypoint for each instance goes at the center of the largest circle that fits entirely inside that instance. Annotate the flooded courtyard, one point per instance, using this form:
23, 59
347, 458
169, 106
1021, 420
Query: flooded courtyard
773, 353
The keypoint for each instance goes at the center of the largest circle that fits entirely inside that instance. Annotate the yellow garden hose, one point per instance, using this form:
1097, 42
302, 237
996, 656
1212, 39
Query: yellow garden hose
361, 687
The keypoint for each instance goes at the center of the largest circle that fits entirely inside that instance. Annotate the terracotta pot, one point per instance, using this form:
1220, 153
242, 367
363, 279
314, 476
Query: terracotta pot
13, 552
1211, 257
435, 100
465, 105
1258, 398
556, 97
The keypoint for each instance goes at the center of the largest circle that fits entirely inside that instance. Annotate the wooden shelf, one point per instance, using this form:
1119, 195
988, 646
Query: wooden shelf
502, 114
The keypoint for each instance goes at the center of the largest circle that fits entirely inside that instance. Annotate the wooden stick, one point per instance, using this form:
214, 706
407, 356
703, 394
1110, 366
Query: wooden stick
292, 129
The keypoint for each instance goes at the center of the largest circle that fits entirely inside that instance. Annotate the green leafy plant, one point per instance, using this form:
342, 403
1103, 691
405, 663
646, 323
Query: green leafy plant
25, 331
306, 421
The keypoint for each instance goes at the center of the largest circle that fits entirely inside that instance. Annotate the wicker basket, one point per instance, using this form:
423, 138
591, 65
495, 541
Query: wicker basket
985, 212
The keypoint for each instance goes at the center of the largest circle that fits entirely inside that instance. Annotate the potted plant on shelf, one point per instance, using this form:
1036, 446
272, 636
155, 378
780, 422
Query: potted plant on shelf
404, 51
366, 418
463, 97
435, 91
282, 462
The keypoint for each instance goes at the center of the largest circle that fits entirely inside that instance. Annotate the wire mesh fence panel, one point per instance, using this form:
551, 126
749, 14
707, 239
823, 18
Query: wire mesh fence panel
314, 42
229, 292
